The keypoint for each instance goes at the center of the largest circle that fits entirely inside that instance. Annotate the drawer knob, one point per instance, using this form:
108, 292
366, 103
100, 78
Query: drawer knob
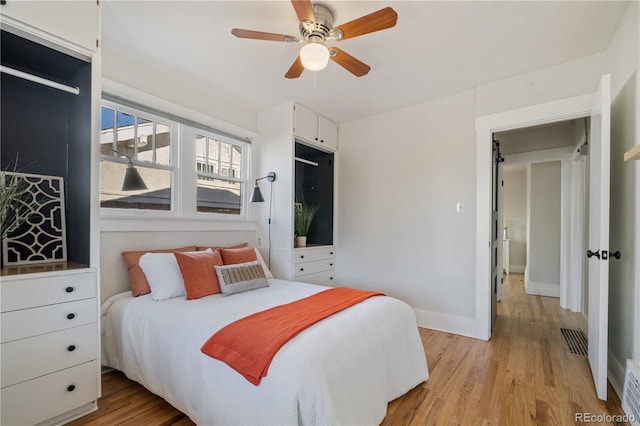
302, 256
69, 289
71, 316
331, 264
71, 348
301, 269
331, 253
71, 388
331, 278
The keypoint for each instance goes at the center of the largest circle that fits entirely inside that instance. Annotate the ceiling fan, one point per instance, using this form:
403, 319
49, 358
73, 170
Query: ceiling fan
316, 27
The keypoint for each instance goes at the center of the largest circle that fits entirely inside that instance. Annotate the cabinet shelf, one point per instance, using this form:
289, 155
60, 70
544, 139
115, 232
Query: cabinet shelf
632, 154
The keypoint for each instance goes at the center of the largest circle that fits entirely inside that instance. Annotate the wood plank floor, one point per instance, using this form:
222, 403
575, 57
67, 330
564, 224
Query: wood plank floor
524, 375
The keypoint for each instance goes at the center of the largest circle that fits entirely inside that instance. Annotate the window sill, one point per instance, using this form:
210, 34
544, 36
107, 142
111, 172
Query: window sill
174, 224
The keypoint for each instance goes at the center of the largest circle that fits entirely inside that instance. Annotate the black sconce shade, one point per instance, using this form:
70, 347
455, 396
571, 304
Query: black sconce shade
132, 179
256, 194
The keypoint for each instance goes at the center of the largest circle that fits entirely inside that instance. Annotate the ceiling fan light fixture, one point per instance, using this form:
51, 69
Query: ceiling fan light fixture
314, 56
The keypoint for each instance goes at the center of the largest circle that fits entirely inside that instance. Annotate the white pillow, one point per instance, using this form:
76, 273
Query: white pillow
267, 272
164, 276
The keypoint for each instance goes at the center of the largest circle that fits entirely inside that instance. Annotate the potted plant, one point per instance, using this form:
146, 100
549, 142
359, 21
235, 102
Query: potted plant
304, 215
15, 206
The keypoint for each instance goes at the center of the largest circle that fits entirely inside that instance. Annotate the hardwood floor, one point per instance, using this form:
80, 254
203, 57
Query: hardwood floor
524, 375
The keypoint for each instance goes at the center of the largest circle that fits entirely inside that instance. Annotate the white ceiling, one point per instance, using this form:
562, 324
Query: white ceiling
437, 48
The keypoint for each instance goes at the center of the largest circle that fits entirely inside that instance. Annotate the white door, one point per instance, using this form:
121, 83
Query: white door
599, 151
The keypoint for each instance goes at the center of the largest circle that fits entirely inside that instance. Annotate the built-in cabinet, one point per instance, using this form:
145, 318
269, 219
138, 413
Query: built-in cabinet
315, 129
305, 173
49, 346
50, 356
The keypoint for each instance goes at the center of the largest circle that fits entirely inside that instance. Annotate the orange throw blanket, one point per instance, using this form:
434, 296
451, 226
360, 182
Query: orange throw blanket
249, 344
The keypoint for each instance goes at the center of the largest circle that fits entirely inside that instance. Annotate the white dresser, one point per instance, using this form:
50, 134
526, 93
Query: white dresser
49, 346
315, 265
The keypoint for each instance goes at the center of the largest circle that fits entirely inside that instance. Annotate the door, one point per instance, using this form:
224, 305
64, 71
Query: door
598, 246
496, 231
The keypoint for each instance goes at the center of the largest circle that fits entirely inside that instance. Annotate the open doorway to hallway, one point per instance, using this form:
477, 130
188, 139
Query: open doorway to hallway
543, 180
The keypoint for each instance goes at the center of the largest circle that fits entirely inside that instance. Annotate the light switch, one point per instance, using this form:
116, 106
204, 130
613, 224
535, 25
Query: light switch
460, 207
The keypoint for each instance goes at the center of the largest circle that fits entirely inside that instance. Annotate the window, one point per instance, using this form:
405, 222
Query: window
220, 175
163, 149
145, 141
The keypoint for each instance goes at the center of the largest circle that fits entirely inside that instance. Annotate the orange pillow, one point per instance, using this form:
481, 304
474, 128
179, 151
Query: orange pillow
233, 256
139, 283
203, 248
199, 272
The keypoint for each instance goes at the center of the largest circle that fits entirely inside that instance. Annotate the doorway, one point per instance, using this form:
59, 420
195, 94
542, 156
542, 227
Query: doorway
538, 181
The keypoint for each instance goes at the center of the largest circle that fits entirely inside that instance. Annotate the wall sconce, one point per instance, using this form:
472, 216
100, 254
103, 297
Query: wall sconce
132, 179
256, 194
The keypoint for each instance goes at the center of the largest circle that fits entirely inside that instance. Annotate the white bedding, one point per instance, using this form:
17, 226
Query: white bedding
342, 370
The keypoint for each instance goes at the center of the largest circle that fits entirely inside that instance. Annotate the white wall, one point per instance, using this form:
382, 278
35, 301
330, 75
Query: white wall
623, 58
401, 175
155, 82
515, 216
544, 229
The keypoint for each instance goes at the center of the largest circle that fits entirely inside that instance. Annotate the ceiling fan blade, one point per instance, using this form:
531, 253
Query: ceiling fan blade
376, 21
259, 35
348, 62
296, 69
303, 10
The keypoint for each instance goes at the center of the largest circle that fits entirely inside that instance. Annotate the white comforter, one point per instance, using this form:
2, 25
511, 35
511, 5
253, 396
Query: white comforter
342, 370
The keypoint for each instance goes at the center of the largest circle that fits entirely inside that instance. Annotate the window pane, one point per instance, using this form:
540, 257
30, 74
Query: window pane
225, 159
145, 140
218, 196
125, 143
237, 161
163, 144
156, 197
201, 149
106, 132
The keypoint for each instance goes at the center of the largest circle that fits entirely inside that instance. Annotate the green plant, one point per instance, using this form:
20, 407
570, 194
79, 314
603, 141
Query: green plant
15, 205
304, 215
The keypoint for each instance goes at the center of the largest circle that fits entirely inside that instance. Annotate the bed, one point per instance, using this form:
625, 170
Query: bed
342, 370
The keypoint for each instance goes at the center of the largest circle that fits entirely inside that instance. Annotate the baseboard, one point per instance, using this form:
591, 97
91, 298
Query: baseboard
447, 323
516, 269
615, 372
542, 289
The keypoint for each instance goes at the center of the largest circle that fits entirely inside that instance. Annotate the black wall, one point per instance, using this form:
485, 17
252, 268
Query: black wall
314, 186
49, 130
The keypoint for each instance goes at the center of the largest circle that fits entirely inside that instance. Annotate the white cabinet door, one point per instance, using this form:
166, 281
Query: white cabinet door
73, 21
306, 124
328, 133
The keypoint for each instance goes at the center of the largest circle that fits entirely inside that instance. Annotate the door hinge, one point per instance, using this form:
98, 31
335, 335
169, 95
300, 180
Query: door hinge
97, 43
502, 183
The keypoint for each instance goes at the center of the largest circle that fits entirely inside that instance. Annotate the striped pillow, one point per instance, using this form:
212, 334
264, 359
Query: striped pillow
241, 277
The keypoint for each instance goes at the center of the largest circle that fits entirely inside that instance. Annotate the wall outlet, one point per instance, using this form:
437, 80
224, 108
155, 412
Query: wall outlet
460, 207
259, 241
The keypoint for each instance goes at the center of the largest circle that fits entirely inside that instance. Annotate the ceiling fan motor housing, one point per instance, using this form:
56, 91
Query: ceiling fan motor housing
322, 27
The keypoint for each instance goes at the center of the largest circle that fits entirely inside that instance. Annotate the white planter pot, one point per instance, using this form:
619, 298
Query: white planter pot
301, 241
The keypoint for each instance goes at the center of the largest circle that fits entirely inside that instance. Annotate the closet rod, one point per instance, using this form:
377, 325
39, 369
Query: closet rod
302, 160
39, 80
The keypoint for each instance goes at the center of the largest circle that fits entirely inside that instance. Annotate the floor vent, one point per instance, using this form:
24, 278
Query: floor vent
631, 393
576, 340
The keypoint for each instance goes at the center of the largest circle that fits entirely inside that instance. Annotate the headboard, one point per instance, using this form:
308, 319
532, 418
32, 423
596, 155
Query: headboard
113, 274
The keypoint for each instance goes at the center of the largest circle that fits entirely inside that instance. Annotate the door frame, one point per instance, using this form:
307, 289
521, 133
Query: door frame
550, 112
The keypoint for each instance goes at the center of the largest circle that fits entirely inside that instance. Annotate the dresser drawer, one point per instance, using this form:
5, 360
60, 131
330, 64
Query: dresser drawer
28, 292
327, 278
313, 254
37, 400
45, 319
312, 267
37, 356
